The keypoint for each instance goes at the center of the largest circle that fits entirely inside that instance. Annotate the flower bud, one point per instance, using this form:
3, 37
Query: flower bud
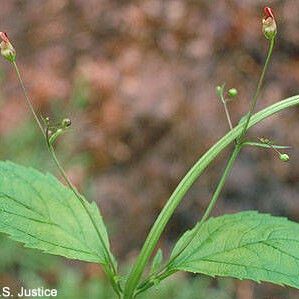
7, 49
219, 91
284, 157
269, 24
66, 122
233, 92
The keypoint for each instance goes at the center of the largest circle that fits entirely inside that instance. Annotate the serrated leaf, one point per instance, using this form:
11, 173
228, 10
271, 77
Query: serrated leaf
246, 245
39, 211
157, 261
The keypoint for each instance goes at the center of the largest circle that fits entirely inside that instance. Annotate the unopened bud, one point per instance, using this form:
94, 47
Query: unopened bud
284, 157
7, 49
233, 92
269, 24
66, 122
219, 91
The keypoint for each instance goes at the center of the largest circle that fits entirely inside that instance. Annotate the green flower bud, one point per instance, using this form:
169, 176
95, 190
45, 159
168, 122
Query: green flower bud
6, 48
219, 90
284, 157
233, 92
66, 122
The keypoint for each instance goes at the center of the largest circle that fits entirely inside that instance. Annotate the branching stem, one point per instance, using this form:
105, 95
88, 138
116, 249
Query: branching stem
178, 194
257, 92
111, 270
131, 288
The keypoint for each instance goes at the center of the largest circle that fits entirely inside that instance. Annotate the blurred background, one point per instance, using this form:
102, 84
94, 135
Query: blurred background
137, 79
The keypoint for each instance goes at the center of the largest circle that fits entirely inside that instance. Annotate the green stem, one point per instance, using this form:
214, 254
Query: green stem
150, 283
263, 145
226, 112
164, 272
214, 199
185, 185
83, 203
257, 92
228, 115
111, 270
29, 103
182, 189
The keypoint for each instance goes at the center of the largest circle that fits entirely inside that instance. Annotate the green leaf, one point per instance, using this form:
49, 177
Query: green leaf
185, 184
39, 211
246, 245
157, 261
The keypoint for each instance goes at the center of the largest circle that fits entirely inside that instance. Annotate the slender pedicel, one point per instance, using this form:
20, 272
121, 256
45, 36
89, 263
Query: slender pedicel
135, 275
9, 53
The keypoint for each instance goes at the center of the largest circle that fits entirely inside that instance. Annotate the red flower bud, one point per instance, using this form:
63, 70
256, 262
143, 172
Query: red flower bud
268, 13
4, 37
6, 48
269, 24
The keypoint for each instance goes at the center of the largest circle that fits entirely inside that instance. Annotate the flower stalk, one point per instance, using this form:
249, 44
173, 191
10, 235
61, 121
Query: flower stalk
9, 53
236, 134
182, 189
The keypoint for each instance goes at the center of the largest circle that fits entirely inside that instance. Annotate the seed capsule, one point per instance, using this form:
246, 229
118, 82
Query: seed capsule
233, 92
284, 157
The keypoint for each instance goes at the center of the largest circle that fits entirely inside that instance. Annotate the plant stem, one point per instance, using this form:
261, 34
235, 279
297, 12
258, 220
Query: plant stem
227, 115
185, 185
187, 182
29, 103
215, 197
111, 270
164, 272
234, 154
226, 112
263, 145
257, 92
182, 189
